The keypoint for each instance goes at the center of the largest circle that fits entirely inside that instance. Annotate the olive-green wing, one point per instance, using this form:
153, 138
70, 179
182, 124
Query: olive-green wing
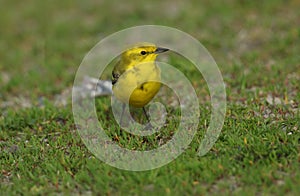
116, 73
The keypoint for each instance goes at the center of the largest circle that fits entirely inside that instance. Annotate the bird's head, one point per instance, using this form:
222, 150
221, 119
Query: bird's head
142, 53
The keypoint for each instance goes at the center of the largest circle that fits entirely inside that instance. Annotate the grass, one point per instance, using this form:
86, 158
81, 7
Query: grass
257, 51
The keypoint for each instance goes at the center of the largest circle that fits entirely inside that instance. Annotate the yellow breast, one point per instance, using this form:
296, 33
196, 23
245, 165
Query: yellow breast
138, 85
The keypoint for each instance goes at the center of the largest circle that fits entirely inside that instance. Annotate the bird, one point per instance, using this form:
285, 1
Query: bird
136, 77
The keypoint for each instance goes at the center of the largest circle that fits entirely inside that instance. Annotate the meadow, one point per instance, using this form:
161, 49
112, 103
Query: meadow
256, 46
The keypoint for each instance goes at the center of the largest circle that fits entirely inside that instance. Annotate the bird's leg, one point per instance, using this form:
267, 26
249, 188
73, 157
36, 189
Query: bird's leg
123, 109
145, 112
148, 126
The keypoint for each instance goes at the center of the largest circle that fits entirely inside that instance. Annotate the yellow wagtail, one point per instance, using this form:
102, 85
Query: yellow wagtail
136, 78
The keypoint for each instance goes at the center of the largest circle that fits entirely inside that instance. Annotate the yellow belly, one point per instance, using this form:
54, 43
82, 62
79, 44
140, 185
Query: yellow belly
142, 96
138, 86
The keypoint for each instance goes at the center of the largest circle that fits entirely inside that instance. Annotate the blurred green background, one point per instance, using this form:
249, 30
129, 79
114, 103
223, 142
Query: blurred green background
256, 45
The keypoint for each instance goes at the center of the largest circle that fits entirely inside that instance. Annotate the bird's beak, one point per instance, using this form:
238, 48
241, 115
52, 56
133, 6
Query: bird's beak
160, 50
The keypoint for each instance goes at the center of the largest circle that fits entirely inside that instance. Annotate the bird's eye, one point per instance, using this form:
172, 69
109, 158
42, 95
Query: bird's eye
143, 52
